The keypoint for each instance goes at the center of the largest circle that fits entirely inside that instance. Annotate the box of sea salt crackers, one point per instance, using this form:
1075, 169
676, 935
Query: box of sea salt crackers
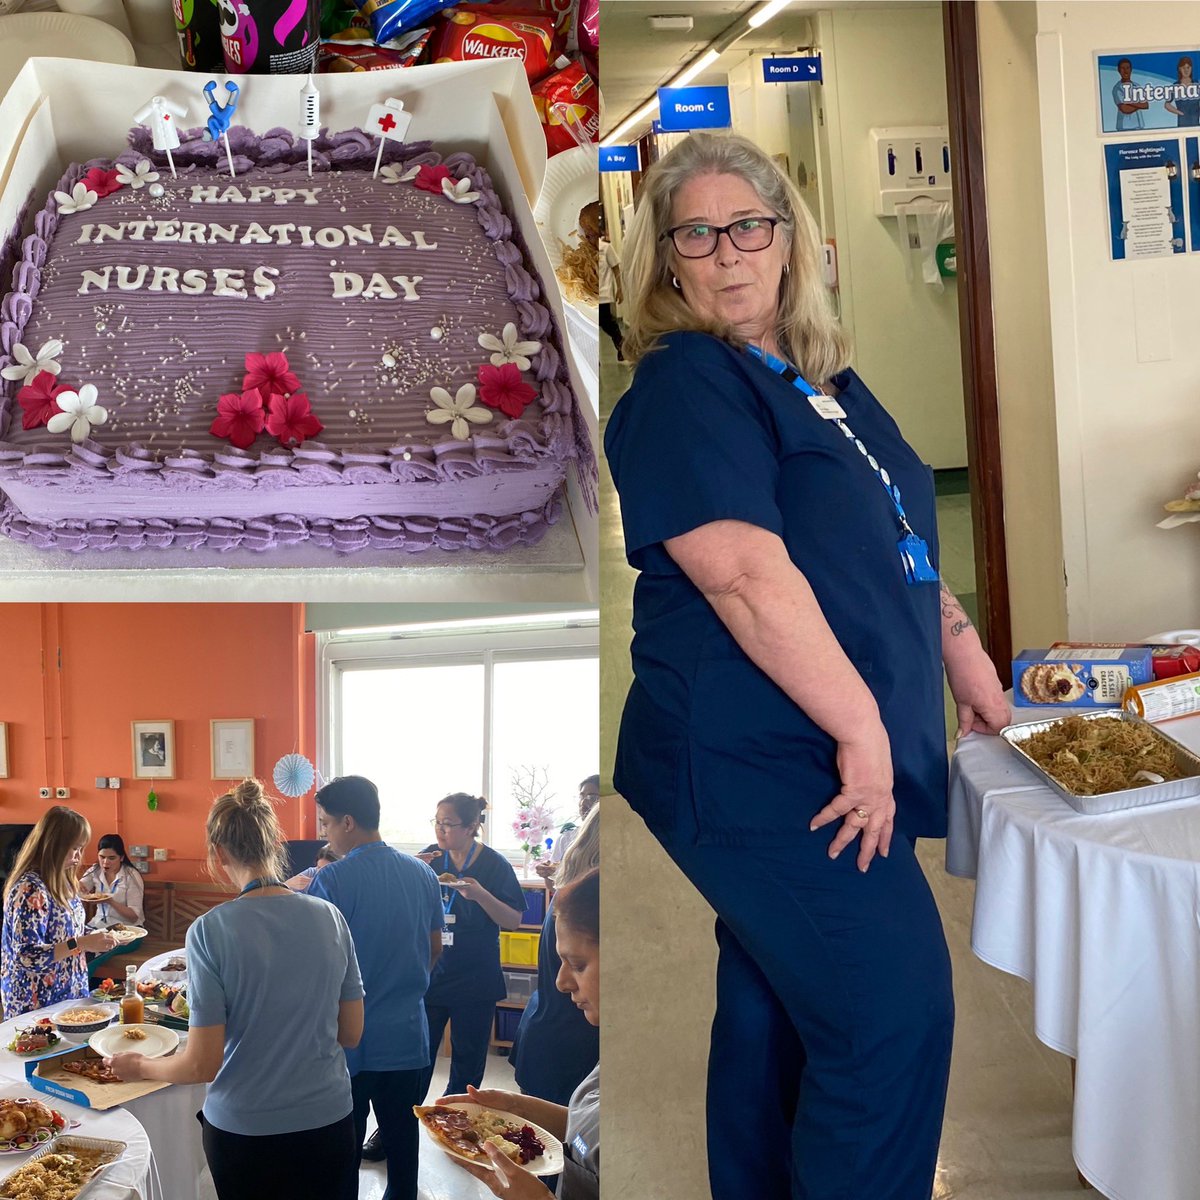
1079, 677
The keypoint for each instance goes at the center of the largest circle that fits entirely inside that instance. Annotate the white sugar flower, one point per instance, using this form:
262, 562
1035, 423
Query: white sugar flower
395, 173
508, 349
457, 410
137, 176
79, 413
459, 192
28, 366
81, 197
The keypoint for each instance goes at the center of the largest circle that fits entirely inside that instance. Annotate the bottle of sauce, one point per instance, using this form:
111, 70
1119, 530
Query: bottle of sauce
133, 1007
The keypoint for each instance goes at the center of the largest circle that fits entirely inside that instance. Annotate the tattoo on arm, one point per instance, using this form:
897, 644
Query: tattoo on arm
953, 612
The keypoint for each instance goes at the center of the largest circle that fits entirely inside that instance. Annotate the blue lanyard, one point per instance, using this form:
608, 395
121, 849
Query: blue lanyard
914, 552
448, 905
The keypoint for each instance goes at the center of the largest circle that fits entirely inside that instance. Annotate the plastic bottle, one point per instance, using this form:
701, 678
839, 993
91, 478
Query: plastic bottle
133, 1007
1165, 699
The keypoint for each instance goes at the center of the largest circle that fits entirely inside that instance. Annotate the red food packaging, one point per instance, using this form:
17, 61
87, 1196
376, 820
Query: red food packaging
572, 87
587, 28
469, 34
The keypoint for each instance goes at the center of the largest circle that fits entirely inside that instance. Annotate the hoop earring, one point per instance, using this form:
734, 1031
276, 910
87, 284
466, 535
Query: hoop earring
675, 284
787, 268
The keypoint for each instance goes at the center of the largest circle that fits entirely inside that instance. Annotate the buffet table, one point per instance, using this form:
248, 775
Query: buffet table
1102, 916
165, 1121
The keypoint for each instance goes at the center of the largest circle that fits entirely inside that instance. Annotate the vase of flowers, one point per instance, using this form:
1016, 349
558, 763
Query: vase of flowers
535, 816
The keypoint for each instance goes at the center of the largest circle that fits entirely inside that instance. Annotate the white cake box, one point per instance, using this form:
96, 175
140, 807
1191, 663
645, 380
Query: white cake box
60, 111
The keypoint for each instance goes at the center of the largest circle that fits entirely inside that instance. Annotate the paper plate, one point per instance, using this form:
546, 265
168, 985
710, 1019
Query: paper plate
548, 1163
572, 181
159, 1040
64, 35
130, 933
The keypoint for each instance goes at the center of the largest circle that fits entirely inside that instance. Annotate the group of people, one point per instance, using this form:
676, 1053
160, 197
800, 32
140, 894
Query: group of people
318, 997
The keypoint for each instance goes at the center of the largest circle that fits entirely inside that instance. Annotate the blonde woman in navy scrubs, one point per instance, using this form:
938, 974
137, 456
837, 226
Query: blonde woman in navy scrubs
783, 738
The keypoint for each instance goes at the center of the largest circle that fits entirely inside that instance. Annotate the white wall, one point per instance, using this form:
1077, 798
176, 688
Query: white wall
885, 67
1127, 430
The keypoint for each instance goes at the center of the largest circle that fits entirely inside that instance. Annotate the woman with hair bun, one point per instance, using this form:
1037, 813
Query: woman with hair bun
275, 994
480, 896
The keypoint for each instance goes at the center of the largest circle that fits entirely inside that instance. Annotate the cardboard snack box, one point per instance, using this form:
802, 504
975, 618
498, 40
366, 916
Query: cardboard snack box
1078, 676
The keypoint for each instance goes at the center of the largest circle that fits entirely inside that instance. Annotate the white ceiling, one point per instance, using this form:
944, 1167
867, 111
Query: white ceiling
635, 59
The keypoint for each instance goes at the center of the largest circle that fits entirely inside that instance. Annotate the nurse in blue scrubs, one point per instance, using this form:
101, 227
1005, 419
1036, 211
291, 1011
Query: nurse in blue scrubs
783, 738
483, 898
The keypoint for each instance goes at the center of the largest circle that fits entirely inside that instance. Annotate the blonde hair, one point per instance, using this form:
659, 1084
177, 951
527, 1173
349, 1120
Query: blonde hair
243, 824
583, 854
808, 334
47, 849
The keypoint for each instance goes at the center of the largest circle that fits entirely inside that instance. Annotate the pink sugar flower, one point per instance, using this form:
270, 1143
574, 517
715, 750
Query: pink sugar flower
102, 182
38, 399
240, 418
503, 388
271, 373
429, 179
291, 419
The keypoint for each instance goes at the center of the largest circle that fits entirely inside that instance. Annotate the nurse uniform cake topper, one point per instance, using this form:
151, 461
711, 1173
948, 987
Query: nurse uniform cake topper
157, 114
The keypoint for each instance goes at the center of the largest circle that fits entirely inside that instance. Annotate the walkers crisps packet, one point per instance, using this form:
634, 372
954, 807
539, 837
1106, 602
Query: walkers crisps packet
568, 94
467, 33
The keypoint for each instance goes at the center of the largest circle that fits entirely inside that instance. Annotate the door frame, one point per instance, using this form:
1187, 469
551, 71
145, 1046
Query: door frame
976, 330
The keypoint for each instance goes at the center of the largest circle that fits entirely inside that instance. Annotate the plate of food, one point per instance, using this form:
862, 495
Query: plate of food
568, 218
461, 1130
108, 989
154, 1041
26, 1124
30, 1041
171, 967
76, 1020
446, 879
127, 933
62, 1171
95, 897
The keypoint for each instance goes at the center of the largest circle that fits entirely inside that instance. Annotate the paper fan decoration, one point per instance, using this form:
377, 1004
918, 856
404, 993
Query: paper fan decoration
294, 775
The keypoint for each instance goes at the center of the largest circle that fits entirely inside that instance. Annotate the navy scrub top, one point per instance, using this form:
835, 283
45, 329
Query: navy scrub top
710, 749
469, 970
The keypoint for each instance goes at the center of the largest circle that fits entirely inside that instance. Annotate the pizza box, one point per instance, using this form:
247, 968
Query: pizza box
46, 1075
54, 114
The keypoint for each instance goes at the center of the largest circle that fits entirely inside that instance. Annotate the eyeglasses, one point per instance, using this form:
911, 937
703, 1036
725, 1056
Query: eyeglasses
446, 824
699, 240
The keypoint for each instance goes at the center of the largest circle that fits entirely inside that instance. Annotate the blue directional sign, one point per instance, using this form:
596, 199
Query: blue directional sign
619, 158
681, 109
792, 70
656, 126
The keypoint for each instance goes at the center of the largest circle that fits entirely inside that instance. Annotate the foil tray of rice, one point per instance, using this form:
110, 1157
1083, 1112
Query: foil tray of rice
1106, 761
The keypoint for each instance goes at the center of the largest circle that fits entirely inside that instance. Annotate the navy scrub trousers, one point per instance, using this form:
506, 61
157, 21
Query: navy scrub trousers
834, 1022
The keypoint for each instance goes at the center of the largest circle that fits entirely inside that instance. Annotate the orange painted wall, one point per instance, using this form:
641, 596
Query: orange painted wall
74, 676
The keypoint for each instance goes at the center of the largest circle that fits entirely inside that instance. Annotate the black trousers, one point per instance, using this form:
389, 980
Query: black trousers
470, 1033
609, 324
310, 1164
392, 1094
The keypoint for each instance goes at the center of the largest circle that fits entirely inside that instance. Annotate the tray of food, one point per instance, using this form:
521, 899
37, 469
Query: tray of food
27, 1123
1106, 761
66, 1170
461, 1130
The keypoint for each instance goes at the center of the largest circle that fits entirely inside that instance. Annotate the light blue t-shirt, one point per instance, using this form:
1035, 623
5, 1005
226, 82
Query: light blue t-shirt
392, 903
273, 970
1133, 120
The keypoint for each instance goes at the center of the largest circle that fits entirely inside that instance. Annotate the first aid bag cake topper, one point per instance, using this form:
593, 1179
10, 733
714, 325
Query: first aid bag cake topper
389, 122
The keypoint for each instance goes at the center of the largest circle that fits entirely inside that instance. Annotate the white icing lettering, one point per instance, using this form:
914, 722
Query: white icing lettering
203, 195
137, 230
166, 279
127, 282
346, 283
306, 235
229, 282
393, 237
283, 195
263, 285
309, 194
193, 231
358, 233
330, 238
379, 287
166, 231
222, 233
194, 282
422, 244
231, 195
84, 234
259, 194
281, 234
255, 233
97, 279
409, 285
111, 233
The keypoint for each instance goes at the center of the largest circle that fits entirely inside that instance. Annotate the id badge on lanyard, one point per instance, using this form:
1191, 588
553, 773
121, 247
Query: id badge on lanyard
913, 550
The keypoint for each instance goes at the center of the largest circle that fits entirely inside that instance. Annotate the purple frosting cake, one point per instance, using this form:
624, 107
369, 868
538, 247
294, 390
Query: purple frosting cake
272, 358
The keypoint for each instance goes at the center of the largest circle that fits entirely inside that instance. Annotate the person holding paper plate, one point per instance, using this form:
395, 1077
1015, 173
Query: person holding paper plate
790, 633
114, 876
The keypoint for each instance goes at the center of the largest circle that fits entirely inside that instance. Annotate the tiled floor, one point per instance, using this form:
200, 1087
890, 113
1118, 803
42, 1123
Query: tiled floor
1008, 1124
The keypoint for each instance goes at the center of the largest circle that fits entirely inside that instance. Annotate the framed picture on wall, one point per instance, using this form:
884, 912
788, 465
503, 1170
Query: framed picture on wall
3, 750
233, 749
154, 749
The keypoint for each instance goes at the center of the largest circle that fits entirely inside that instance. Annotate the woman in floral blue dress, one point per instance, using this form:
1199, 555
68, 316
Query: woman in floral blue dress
42, 942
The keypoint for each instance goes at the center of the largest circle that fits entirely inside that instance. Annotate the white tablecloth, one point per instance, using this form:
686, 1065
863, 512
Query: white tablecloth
1102, 916
165, 1120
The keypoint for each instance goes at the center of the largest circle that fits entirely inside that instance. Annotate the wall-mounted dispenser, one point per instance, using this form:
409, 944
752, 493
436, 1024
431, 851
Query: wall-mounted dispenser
913, 163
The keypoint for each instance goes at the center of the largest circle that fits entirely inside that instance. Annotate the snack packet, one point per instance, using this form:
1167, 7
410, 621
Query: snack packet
587, 28
356, 53
569, 96
468, 34
390, 18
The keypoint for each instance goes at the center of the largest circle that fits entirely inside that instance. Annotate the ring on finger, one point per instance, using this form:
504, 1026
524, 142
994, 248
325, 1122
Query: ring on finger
861, 813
